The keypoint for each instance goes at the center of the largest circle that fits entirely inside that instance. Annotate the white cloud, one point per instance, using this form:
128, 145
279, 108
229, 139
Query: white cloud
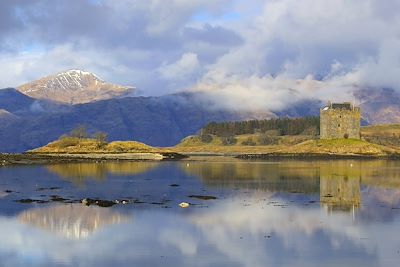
185, 66
313, 49
333, 46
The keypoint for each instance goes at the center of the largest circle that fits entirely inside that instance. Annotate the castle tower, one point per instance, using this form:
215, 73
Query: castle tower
340, 120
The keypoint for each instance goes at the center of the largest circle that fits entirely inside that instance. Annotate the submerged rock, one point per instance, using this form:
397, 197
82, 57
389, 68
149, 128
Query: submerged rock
29, 200
98, 202
202, 197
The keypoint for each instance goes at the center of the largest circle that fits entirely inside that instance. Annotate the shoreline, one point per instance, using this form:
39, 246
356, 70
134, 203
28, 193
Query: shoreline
315, 156
56, 158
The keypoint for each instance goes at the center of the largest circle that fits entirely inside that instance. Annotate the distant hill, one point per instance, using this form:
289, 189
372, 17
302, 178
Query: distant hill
380, 106
7, 116
157, 121
12, 100
73, 87
22, 105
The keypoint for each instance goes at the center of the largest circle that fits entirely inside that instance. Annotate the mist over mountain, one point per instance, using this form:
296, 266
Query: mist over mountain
28, 123
73, 87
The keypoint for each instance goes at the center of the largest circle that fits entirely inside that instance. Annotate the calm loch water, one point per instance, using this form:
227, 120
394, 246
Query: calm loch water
282, 213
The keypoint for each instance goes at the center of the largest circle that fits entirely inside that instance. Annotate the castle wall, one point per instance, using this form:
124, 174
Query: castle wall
336, 123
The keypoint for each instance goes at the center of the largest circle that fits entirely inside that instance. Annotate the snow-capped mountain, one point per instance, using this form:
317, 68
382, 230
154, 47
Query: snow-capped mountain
73, 87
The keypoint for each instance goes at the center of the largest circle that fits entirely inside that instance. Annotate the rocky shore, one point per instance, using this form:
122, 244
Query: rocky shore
36, 158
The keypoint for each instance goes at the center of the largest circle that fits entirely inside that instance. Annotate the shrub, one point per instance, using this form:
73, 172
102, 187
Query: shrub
206, 138
266, 139
273, 132
228, 140
66, 141
101, 139
249, 142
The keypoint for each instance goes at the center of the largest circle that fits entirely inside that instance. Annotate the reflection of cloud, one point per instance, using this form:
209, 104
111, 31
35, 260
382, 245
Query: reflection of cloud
294, 232
72, 221
228, 234
387, 196
179, 239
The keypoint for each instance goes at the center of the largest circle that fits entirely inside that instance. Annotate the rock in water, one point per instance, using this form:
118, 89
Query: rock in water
184, 205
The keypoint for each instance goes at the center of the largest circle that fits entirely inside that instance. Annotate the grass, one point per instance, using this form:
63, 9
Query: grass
338, 146
379, 140
387, 135
241, 140
88, 145
288, 145
385, 129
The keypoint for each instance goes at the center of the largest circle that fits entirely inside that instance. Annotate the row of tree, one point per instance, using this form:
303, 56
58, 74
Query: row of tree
80, 132
281, 126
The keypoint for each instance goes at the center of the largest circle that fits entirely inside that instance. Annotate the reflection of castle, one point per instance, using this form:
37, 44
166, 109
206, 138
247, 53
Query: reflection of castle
340, 190
72, 221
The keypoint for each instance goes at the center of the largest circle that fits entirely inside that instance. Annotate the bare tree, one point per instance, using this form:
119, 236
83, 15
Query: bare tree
79, 132
101, 137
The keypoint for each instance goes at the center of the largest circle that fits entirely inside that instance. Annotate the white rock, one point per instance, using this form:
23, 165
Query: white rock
184, 205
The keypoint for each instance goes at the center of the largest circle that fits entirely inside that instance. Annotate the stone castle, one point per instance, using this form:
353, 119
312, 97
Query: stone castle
340, 120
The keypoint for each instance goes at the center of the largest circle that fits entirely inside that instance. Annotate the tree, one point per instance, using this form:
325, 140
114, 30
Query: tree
101, 138
79, 132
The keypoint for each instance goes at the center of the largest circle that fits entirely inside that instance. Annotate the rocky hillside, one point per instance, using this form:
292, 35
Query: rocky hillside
380, 106
73, 87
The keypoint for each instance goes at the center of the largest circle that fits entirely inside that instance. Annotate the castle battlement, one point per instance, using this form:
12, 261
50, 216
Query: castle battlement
340, 120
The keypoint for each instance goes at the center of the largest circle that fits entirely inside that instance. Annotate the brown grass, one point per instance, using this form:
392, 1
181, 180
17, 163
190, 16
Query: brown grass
75, 145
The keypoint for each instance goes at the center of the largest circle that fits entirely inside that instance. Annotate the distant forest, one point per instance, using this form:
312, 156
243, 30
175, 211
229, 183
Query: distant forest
281, 126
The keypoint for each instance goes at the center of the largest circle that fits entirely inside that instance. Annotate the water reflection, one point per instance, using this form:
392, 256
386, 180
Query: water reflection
71, 221
338, 183
266, 214
79, 172
227, 234
340, 186
278, 176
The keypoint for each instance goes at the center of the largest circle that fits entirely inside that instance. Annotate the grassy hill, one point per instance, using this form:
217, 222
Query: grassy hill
378, 140
89, 145
387, 135
381, 140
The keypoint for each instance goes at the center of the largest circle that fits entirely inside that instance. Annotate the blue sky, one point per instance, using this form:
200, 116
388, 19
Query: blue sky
268, 52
